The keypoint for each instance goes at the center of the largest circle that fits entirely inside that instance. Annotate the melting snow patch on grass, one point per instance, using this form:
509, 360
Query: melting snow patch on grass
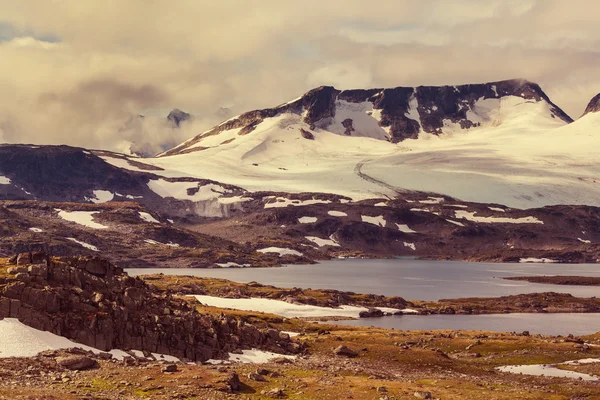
334, 213
84, 244
307, 220
379, 221
470, 216
85, 218
148, 217
323, 242
281, 251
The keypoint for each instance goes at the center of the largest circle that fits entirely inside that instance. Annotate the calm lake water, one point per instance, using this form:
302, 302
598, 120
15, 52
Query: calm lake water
547, 324
408, 278
428, 280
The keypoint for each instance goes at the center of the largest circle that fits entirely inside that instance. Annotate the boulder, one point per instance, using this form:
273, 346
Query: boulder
423, 395
77, 363
345, 351
371, 313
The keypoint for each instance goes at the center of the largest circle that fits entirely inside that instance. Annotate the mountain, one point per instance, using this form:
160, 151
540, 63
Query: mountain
442, 172
593, 106
176, 117
393, 114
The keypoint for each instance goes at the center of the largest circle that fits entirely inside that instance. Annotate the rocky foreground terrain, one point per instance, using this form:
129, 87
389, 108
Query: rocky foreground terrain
331, 362
92, 302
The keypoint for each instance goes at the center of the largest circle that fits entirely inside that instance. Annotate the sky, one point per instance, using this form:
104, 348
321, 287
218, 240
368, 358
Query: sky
80, 72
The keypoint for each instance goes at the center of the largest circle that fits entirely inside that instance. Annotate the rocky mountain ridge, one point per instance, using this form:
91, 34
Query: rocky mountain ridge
402, 112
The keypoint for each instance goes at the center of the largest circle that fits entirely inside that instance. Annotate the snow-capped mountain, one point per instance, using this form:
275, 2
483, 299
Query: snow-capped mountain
503, 142
439, 172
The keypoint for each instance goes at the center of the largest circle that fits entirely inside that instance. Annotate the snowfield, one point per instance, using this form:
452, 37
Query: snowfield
520, 156
20, 340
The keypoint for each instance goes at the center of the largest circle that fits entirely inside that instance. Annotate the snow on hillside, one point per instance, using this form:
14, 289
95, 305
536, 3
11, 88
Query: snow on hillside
520, 155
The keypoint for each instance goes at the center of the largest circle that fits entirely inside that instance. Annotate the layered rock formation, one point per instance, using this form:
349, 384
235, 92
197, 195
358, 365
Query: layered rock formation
93, 302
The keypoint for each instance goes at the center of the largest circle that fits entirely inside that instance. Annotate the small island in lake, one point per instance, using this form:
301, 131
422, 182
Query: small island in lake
559, 280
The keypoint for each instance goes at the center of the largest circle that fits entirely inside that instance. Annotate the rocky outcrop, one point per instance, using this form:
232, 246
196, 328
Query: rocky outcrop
93, 302
176, 116
593, 106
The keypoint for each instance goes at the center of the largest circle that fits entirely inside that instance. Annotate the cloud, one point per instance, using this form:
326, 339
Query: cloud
80, 72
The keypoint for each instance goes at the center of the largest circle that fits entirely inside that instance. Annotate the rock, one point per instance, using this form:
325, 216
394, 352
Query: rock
24, 259
233, 381
344, 351
281, 360
382, 389
256, 377
76, 363
423, 395
276, 393
306, 134
371, 313
169, 368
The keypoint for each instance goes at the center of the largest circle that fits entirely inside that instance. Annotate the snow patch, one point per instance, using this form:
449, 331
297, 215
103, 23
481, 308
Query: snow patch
182, 190
148, 217
281, 251
497, 209
84, 244
4, 180
232, 265
379, 221
537, 260
102, 196
334, 213
36, 230
404, 228
150, 241
432, 200
584, 240
455, 222
284, 202
250, 357
410, 246
85, 218
284, 309
307, 220
470, 216
323, 242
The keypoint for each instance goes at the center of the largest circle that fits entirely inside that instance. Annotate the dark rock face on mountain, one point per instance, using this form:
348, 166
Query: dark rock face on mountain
90, 301
593, 106
176, 116
406, 111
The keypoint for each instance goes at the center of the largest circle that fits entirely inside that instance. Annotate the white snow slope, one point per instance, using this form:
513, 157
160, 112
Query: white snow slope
520, 156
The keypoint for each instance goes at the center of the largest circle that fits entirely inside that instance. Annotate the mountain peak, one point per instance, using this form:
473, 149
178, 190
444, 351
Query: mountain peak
176, 116
593, 106
397, 114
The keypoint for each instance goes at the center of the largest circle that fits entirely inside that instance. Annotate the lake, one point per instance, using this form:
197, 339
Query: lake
408, 278
547, 324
